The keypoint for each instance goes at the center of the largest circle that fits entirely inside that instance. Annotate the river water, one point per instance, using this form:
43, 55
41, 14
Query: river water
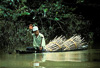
72, 59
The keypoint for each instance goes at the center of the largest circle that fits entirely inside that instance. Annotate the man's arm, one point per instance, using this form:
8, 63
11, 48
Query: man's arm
42, 43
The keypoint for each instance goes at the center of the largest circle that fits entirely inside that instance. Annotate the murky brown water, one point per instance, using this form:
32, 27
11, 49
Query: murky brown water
76, 59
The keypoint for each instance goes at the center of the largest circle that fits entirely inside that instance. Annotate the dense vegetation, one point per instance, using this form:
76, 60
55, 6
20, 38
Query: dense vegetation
54, 18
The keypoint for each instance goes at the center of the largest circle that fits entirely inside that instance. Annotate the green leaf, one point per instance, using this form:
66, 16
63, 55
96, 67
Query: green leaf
45, 10
1, 12
25, 13
66, 15
56, 19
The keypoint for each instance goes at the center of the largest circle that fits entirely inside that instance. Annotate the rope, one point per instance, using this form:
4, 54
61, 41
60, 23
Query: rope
56, 44
67, 47
73, 42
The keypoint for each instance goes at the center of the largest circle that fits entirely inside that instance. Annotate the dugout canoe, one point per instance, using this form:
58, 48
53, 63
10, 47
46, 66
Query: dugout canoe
30, 52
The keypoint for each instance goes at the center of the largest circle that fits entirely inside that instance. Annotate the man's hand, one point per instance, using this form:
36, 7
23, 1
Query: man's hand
30, 26
40, 48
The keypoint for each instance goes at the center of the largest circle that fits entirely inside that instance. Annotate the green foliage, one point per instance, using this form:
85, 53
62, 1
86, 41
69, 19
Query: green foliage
11, 11
14, 35
61, 20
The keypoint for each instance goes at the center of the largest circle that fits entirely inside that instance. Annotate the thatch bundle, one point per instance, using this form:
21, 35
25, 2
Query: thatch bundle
60, 43
55, 44
73, 43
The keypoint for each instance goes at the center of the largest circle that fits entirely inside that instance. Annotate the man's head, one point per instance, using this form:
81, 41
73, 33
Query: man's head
35, 30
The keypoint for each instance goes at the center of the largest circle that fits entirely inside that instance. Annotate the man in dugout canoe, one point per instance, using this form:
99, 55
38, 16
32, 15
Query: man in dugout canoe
38, 40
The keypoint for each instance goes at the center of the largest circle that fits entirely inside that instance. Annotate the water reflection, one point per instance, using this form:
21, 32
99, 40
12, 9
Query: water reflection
78, 56
67, 56
47, 60
38, 58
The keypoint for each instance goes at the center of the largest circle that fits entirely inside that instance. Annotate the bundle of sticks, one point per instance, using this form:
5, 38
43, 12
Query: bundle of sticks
61, 43
73, 43
55, 44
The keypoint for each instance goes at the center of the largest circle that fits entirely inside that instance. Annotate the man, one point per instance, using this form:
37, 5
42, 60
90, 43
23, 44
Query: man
38, 40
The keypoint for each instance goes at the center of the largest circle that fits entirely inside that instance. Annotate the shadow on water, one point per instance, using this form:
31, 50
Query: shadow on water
76, 59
